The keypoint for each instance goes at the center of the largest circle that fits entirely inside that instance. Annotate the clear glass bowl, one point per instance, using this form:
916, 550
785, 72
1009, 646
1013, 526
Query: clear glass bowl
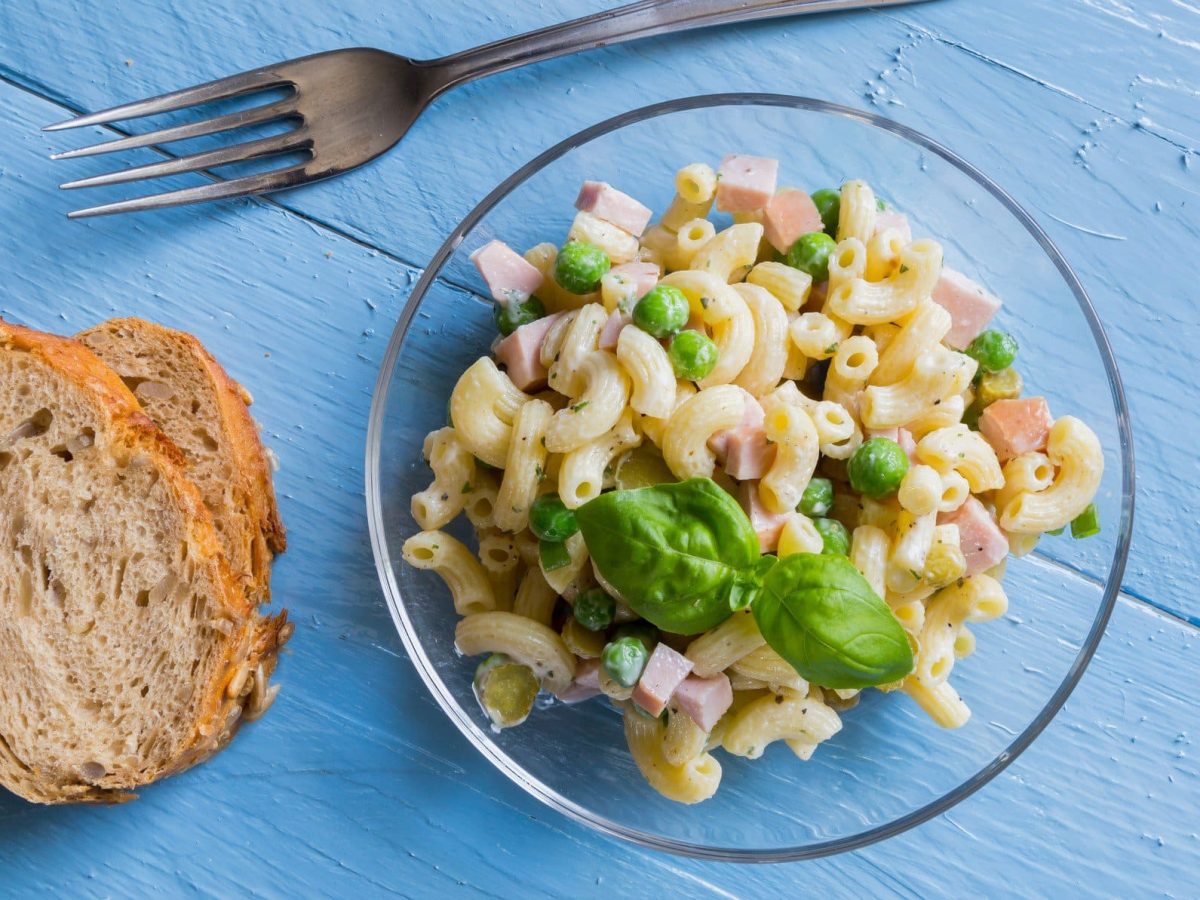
889, 768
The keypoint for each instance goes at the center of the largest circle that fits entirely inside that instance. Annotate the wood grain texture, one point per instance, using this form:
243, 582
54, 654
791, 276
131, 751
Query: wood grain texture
1103, 154
356, 783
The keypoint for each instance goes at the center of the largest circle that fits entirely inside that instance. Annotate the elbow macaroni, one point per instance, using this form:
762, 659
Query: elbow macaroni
1074, 450
453, 470
650, 372
861, 353
463, 573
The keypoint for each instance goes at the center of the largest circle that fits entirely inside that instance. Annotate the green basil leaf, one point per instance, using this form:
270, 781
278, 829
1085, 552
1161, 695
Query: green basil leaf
819, 613
677, 554
748, 583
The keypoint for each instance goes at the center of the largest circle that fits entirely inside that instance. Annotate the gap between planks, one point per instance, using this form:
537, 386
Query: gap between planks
10, 78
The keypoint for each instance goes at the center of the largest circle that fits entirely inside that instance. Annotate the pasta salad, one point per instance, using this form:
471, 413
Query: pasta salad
730, 479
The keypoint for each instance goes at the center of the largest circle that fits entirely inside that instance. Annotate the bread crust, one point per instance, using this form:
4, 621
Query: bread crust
252, 641
241, 435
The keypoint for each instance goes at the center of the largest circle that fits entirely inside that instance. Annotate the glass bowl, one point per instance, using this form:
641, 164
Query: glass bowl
889, 768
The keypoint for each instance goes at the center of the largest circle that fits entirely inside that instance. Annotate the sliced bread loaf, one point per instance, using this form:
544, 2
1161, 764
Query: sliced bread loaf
126, 644
203, 411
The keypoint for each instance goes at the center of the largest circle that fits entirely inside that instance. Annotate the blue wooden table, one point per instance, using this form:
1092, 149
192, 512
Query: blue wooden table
1087, 111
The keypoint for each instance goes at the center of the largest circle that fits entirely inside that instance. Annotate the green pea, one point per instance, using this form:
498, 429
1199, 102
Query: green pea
829, 204
877, 467
624, 659
834, 535
579, 267
594, 609
510, 316
693, 355
1087, 523
817, 498
662, 311
641, 631
553, 555
994, 350
811, 254
550, 519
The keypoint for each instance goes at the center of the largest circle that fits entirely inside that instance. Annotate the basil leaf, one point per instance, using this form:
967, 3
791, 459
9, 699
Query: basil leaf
678, 554
819, 613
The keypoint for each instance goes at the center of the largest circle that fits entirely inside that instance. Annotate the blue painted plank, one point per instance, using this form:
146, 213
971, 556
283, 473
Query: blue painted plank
356, 783
1099, 145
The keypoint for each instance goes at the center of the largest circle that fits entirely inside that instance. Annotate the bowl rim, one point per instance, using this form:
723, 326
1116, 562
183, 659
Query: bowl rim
510, 767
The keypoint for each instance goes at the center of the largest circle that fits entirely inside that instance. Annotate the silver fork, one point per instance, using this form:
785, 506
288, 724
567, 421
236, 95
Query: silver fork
349, 106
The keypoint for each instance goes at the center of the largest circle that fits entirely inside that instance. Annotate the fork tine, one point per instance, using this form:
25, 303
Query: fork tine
234, 85
257, 115
289, 141
241, 187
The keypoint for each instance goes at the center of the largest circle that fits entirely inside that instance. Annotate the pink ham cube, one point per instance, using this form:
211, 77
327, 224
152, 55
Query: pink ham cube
744, 450
644, 276
748, 454
898, 221
892, 434
605, 202
752, 418
611, 331
521, 353
665, 671
509, 276
766, 524
982, 542
788, 215
1014, 427
704, 700
745, 183
586, 683
970, 306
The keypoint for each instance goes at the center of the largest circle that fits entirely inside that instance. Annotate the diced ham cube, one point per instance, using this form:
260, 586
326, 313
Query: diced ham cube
745, 183
615, 207
521, 352
644, 276
970, 306
907, 443
892, 434
612, 329
752, 418
1014, 427
665, 671
509, 276
982, 542
586, 683
788, 215
748, 454
766, 524
704, 700
899, 221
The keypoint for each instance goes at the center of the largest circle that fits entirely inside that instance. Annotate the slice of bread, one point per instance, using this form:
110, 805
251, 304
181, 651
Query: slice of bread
203, 411
127, 647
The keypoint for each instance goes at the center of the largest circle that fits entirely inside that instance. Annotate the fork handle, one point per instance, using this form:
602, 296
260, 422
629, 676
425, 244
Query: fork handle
644, 18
